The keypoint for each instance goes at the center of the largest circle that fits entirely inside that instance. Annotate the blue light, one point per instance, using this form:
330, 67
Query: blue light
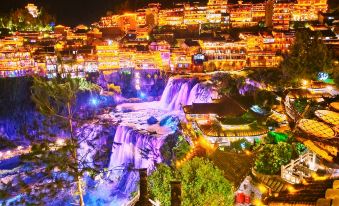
94, 101
322, 76
142, 95
243, 145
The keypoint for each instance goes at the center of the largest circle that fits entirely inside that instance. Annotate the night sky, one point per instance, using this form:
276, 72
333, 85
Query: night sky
74, 12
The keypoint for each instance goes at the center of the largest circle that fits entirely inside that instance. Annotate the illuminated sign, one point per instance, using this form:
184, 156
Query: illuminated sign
199, 59
268, 40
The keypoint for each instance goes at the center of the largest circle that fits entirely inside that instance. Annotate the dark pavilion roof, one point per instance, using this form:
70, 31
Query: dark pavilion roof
224, 107
235, 166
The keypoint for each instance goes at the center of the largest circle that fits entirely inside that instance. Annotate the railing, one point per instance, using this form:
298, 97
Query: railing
295, 176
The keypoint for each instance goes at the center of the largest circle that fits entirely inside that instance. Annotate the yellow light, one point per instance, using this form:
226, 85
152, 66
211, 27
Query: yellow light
316, 177
291, 189
304, 82
257, 202
262, 188
60, 142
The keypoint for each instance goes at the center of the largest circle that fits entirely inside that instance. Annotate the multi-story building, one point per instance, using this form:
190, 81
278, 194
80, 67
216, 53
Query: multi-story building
225, 54
258, 12
16, 62
173, 17
215, 10
180, 61
51, 66
277, 41
108, 57
195, 14
141, 17
241, 14
308, 10
262, 59
125, 22
282, 15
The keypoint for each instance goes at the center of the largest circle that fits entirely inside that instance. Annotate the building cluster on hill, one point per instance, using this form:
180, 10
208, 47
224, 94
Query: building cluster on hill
184, 38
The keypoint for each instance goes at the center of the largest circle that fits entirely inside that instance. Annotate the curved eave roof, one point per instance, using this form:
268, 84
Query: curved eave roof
335, 105
327, 116
315, 128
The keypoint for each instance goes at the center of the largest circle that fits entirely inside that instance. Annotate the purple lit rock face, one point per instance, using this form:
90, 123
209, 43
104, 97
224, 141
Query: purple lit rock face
180, 92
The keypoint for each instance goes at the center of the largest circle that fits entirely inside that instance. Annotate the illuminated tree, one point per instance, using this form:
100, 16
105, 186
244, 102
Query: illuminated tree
307, 57
202, 184
54, 165
21, 19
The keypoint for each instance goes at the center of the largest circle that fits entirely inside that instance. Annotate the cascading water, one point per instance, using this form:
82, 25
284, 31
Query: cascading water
180, 92
129, 146
132, 150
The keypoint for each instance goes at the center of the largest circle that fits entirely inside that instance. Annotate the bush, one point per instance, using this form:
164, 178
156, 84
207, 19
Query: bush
202, 184
272, 157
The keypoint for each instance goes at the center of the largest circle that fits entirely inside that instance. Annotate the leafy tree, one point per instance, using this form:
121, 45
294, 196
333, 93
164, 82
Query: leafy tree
182, 148
272, 157
159, 184
174, 148
226, 84
240, 145
202, 184
267, 76
21, 19
307, 57
265, 98
55, 165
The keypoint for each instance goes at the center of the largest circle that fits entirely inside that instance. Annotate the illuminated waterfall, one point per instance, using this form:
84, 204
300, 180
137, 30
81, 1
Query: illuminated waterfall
180, 92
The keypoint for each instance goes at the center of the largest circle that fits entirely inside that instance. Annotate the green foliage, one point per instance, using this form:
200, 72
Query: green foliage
226, 84
275, 137
159, 184
174, 148
265, 98
272, 157
300, 104
267, 76
299, 148
240, 145
246, 118
307, 57
22, 20
202, 184
182, 148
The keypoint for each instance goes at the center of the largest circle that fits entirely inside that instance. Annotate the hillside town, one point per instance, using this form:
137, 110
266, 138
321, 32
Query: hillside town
217, 103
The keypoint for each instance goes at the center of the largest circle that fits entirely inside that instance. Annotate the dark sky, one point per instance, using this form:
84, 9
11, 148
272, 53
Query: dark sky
70, 12
73, 12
